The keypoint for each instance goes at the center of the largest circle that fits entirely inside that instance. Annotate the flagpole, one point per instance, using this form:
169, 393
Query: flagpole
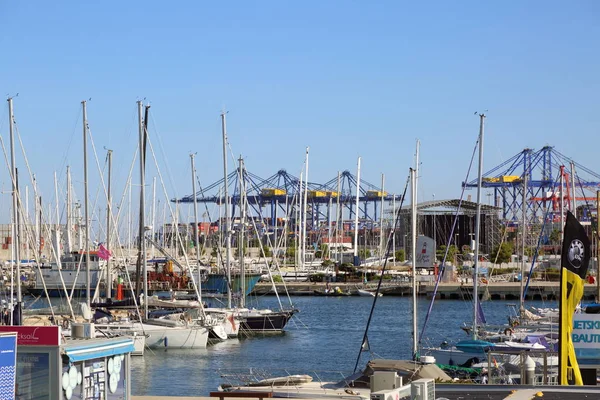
597, 250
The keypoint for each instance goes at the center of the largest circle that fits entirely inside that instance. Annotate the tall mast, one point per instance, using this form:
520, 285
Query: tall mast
393, 228
338, 217
196, 236
356, 259
17, 311
477, 227
381, 233
109, 277
413, 229
153, 217
573, 203
68, 209
86, 210
597, 243
242, 234
299, 227
305, 213
227, 221
523, 241
562, 200
56, 235
142, 138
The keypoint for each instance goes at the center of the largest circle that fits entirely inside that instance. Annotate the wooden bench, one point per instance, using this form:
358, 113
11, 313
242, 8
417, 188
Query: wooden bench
251, 395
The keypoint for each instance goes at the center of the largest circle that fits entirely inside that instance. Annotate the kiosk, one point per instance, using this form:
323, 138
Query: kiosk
52, 367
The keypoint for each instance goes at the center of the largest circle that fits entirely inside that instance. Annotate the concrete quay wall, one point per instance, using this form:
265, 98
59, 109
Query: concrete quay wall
538, 290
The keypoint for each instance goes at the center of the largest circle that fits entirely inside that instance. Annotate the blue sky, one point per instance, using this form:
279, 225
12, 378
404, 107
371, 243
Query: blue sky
346, 78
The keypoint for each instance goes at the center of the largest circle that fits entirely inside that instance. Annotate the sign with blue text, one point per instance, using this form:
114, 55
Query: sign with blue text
8, 365
586, 339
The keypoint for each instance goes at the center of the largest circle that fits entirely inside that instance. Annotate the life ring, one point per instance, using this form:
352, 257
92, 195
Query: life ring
508, 331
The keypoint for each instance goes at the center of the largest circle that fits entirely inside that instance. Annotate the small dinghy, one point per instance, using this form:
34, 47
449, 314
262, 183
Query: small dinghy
366, 293
283, 381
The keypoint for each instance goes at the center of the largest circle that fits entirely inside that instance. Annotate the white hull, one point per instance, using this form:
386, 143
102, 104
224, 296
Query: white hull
453, 356
178, 337
162, 336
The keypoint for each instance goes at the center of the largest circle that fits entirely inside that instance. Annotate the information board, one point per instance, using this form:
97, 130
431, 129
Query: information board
8, 365
586, 339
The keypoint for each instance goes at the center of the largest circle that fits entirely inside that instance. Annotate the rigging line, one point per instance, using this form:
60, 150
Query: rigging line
587, 204
27, 225
535, 255
177, 233
388, 248
70, 142
274, 258
162, 151
24, 214
454, 223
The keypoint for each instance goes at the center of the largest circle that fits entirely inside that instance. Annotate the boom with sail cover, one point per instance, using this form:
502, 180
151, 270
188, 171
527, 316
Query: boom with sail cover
575, 259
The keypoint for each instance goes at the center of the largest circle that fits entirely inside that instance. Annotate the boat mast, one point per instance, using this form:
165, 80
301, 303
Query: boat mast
413, 223
299, 227
227, 221
109, 278
242, 234
305, 213
562, 200
153, 217
597, 249
356, 258
17, 311
393, 228
196, 237
381, 233
573, 204
523, 242
477, 227
142, 235
338, 217
69, 216
86, 210
413, 230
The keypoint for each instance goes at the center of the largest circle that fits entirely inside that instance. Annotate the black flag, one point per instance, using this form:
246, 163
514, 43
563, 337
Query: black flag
575, 258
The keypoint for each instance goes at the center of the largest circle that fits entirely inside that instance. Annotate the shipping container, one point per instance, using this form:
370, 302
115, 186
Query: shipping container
273, 192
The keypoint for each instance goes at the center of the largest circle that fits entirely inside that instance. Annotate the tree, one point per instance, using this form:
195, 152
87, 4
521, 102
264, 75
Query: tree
400, 255
502, 253
555, 237
452, 252
290, 252
267, 250
364, 253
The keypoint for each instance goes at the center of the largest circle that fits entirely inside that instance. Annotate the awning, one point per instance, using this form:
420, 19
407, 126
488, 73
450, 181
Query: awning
92, 349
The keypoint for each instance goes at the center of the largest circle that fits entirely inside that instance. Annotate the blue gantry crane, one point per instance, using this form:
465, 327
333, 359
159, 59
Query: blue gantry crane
280, 193
549, 178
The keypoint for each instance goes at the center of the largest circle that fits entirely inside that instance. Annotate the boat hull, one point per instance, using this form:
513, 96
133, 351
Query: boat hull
273, 322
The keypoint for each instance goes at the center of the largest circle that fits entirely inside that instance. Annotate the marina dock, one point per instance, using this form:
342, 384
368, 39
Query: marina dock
538, 290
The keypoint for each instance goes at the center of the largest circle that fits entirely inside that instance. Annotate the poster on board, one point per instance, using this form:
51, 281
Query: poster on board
8, 365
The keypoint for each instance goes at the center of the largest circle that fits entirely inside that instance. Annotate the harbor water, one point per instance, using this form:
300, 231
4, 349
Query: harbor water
324, 338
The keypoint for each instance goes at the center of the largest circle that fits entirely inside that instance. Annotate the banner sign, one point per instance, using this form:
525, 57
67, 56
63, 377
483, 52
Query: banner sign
425, 252
586, 339
35, 335
8, 365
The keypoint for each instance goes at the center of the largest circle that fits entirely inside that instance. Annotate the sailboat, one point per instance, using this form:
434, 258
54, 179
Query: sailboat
468, 352
159, 332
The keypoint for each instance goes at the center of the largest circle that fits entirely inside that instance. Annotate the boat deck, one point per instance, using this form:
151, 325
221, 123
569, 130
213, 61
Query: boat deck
471, 392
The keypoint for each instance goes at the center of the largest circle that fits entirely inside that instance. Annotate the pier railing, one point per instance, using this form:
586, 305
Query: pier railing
511, 368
